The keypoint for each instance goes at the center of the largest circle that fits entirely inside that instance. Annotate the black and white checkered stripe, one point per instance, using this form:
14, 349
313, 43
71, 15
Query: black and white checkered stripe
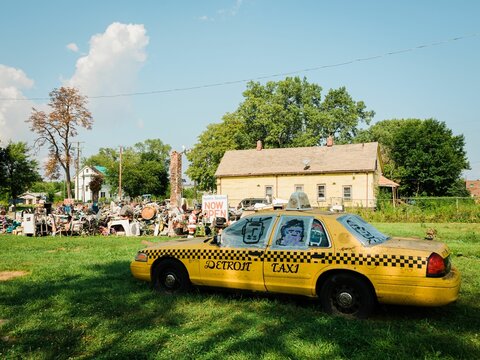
285, 256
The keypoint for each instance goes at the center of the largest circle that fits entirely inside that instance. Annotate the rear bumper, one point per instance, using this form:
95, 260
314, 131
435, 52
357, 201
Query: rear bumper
419, 292
140, 270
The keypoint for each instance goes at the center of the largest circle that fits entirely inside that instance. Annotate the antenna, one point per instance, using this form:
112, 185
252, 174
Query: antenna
306, 162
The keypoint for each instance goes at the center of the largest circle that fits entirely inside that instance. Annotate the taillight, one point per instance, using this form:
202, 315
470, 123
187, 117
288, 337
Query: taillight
436, 266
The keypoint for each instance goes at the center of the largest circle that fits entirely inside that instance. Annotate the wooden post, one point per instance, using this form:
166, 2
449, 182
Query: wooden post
120, 176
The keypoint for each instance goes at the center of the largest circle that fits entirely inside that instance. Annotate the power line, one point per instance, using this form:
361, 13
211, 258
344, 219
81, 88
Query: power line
224, 83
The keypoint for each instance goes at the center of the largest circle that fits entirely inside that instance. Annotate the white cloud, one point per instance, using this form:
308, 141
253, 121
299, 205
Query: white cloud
205, 18
110, 67
232, 11
224, 13
14, 107
73, 47
113, 61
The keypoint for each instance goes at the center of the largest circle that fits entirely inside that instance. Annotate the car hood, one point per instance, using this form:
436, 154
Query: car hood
184, 242
428, 246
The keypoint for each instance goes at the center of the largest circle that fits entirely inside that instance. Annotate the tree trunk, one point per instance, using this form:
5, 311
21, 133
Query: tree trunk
69, 189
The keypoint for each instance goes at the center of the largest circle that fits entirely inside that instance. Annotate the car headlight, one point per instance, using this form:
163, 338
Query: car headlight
141, 257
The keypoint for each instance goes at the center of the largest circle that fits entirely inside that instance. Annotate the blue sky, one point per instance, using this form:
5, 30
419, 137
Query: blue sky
161, 48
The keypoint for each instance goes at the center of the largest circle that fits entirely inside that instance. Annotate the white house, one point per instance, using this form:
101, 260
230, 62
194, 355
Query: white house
31, 198
82, 183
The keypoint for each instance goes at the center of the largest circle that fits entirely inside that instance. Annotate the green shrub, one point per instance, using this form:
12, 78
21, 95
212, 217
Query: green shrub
462, 210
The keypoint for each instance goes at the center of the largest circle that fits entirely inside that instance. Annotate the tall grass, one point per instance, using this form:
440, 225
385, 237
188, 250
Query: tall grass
416, 210
79, 301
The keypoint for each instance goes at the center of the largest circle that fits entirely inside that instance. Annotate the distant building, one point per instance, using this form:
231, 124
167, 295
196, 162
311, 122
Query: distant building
82, 180
331, 176
31, 198
473, 186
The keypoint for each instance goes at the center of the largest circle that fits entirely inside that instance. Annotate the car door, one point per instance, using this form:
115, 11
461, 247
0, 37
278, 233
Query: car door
296, 255
237, 260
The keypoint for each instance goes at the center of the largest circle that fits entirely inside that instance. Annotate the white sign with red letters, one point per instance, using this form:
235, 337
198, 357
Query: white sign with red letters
214, 206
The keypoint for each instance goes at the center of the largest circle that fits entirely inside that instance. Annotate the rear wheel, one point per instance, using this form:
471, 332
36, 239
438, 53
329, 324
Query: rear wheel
171, 277
347, 295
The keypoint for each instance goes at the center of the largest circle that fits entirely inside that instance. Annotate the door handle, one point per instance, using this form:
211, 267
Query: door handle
255, 253
318, 256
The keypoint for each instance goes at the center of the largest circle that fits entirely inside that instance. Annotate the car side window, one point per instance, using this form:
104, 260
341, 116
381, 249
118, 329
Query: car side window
292, 232
247, 232
318, 235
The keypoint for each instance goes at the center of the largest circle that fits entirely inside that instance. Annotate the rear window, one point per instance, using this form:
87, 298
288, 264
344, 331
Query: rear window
364, 232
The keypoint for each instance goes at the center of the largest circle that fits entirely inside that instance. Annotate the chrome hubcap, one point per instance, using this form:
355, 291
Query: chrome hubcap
345, 299
170, 280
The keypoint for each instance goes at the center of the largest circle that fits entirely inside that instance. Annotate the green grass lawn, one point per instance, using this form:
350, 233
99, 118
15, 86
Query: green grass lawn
78, 300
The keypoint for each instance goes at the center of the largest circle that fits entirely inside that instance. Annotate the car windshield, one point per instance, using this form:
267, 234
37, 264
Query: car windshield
366, 233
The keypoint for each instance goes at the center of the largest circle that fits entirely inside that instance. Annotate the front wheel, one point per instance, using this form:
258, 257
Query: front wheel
171, 277
347, 295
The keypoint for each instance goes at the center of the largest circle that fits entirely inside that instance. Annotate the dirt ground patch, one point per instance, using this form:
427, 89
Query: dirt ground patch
7, 275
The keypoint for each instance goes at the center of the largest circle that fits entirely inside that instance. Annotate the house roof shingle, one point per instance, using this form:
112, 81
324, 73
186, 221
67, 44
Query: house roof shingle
101, 169
385, 182
319, 159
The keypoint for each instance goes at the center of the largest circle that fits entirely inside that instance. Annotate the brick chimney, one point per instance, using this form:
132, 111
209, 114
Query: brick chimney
259, 145
175, 178
330, 141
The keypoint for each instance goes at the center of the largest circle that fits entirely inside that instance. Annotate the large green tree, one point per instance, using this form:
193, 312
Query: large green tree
148, 170
18, 170
3, 161
423, 155
383, 132
145, 167
212, 144
55, 189
287, 113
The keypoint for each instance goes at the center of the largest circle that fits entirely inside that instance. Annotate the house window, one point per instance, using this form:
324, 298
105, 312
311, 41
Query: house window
102, 194
86, 171
347, 192
298, 187
321, 192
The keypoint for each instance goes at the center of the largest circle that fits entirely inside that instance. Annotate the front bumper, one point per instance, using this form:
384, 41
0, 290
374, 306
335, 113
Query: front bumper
140, 270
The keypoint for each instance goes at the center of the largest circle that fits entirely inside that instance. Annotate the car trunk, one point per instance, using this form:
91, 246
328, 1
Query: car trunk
428, 246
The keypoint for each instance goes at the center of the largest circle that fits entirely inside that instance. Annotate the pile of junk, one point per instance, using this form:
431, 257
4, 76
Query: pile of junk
132, 219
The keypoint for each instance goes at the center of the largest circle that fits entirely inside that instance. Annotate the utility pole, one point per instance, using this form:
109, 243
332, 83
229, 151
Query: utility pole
77, 168
120, 176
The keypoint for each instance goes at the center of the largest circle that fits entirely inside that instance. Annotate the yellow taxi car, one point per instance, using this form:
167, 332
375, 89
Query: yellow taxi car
339, 258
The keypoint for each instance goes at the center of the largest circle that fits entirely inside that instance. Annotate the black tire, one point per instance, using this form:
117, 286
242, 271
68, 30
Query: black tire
347, 295
170, 276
